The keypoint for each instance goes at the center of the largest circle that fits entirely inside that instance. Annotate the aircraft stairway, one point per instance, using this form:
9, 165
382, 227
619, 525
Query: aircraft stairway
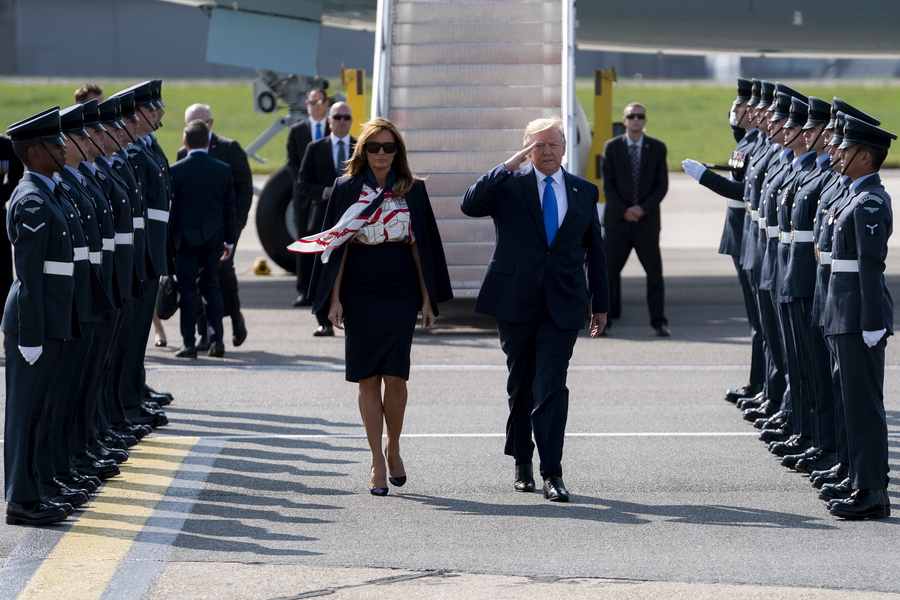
461, 79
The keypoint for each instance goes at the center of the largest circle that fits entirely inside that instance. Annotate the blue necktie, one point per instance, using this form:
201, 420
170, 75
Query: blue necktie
551, 210
318, 131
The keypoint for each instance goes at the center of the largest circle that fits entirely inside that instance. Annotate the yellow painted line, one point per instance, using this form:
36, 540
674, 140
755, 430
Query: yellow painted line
88, 555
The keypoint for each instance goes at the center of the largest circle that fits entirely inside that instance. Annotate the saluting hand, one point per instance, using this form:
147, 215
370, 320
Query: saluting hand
518, 158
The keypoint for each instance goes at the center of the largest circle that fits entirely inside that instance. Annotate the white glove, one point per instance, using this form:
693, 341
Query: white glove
693, 168
873, 337
31, 353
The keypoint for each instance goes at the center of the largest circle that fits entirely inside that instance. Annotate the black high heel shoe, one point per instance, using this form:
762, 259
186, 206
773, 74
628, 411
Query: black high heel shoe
377, 491
395, 481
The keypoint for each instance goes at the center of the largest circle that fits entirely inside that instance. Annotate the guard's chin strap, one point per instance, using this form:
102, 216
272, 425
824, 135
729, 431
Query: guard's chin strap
849, 162
149, 122
52, 157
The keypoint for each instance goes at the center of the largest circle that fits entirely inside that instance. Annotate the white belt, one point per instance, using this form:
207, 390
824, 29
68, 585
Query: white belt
138, 222
59, 268
96, 257
158, 215
735, 203
109, 244
824, 258
125, 238
771, 231
754, 215
784, 237
802, 236
843, 265
81, 253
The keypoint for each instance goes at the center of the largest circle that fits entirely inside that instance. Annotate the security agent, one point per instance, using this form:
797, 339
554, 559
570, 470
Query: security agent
38, 315
859, 316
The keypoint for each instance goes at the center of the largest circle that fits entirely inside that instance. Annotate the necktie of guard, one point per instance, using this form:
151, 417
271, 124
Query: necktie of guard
635, 173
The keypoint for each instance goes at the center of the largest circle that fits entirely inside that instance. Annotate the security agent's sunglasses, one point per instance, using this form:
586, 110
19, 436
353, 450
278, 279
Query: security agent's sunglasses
636, 116
374, 147
341, 117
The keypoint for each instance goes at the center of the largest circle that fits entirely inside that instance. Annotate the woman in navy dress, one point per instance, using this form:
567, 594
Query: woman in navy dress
382, 263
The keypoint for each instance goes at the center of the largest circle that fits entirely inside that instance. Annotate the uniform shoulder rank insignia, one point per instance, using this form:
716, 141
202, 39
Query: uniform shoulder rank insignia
871, 197
37, 199
871, 209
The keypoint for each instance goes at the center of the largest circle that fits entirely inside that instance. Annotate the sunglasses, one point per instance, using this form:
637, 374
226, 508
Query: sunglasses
316, 102
341, 117
374, 147
635, 116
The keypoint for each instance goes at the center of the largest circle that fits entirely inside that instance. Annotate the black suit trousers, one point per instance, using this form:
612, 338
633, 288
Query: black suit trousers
646, 245
537, 357
198, 269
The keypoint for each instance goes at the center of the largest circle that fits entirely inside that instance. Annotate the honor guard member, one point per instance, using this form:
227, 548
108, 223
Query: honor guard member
859, 316
38, 316
733, 230
11, 170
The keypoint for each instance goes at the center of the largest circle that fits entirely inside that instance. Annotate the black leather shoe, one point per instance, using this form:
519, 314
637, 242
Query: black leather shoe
69, 510
863, 504
748, 391
302, 300
793, 445
765, 410
102, 452
835, 474
836, 491
524, 478
203, 344
186, 352
216, 350
88, 464
149, 392
238, 330
790, 460
73, 498
324, 331
822, 459
77, 481
33, 513
662, 330
751, 402
162, 399
555, 490
776, 435
145, 416
776, 421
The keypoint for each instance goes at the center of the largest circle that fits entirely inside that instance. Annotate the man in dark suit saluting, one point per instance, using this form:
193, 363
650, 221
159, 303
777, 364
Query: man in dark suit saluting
202, 219
323, 162
228, 151
300, 135
635, 181
538, 289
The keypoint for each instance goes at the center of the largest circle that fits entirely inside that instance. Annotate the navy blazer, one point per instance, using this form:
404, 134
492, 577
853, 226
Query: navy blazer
203, 204
424, 227
523, 270
617, 185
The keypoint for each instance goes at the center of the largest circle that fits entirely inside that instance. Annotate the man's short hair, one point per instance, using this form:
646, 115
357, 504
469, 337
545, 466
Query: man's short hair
634, 105
878, 155
314, 90
543, 124
88, 90
196, 134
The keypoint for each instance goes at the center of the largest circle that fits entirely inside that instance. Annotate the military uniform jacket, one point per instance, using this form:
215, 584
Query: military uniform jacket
128, 171
105, 225
860, 301
796, 213
39, 305
154, 180
767, 247
733, 189
833, 194
122, 256
756, 174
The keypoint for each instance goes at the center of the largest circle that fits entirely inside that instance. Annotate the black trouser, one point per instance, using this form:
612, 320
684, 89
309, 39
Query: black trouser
757, 342
198, 270
646, 245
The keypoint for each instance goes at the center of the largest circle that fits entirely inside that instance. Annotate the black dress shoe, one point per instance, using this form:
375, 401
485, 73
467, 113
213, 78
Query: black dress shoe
238, 330
836, 491
823, 459
776, 421
835, 474
216, 350
33, 513
555, 490
790, 460
203, 344
662, 330
149, 392
69, 510
88, 464
524, 478
764, 411
324, 331
748, 391
793, 445
302, 300
162, 399
751, 402
145, 416
186, 352
73, 498
77, 483
863, 504
776, 435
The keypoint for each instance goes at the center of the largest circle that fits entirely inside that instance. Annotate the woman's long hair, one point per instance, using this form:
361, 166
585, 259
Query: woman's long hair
359, 162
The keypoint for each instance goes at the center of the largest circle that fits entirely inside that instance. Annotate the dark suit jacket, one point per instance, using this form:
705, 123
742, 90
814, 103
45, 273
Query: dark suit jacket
299, 137
317, 172
617, 185
523, 270
424, 226
231, 153
204, 200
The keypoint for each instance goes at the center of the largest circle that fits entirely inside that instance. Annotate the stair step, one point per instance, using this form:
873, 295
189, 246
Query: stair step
522, 95
455, 162
475, 54
464, 33
468, 118
444, 186
463, 140
414, 75
477, 12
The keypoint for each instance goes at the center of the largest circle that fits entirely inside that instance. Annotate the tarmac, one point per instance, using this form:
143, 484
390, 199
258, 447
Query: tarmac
258, 488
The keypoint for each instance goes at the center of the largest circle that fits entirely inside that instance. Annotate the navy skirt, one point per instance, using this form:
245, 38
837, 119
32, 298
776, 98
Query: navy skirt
381, 299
